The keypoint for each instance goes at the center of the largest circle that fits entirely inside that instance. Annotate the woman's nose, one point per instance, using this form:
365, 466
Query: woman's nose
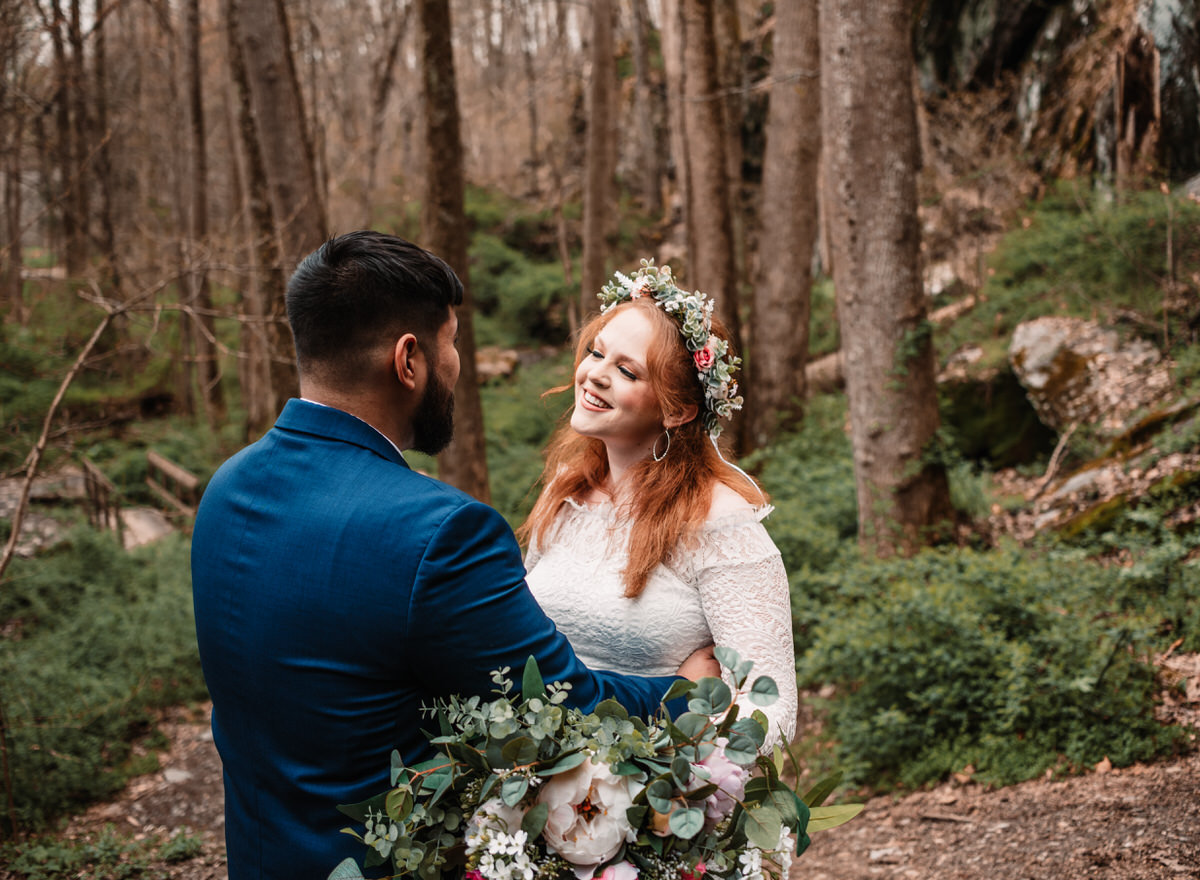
597, 373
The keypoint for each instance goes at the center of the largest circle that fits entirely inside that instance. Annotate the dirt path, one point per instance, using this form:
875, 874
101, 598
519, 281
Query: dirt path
1139, 823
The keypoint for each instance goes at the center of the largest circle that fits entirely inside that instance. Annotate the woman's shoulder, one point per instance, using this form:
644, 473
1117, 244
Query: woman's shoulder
727, 503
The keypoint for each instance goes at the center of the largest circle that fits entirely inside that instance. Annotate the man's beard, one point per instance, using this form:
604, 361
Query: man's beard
433, 421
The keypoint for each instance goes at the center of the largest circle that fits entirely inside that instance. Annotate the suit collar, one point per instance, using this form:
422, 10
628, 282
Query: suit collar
327, 421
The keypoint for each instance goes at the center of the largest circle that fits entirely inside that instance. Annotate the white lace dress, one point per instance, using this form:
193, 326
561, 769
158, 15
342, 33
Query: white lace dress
729, 589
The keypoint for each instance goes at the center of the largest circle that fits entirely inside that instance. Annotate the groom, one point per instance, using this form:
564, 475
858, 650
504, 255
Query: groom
336, 589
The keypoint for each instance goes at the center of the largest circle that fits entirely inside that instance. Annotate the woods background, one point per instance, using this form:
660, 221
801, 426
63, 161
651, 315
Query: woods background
898, 205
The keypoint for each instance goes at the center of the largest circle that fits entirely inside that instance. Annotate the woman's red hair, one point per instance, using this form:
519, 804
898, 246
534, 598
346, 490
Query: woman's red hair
673, 496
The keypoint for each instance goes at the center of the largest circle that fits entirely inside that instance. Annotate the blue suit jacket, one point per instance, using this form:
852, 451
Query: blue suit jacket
336, 590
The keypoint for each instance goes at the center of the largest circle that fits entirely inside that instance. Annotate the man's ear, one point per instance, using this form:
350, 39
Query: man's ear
682, 417
407, 360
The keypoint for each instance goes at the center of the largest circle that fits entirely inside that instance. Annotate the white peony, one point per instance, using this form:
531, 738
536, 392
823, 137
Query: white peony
587, 824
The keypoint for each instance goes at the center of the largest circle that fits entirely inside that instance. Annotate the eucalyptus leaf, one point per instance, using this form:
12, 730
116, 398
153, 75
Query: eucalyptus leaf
532, 685
512, 789
764, 691
751, 729
611, 709
824, 818
816, 795
727, 657
397, 767
348, 869
358, 812
681, 769
399, 804
710, 697
567, 762
691, 725
762, 826
373, 859
659, 794
519, 751
534, 819
687, 823
678, 689
443, 785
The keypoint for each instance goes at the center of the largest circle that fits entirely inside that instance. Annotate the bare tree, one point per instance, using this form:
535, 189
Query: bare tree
775, 381
464, 463
648, 114
278, 112
711, 257
871, 157
272, 378
199, 287
599, 188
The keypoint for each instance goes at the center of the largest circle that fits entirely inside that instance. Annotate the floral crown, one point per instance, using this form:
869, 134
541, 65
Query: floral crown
715, 366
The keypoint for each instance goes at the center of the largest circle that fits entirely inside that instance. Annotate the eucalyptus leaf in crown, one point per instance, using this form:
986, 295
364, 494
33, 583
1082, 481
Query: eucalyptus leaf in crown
523, 787
715, 366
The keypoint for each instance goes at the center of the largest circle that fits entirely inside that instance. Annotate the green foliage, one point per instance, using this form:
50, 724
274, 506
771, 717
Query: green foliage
810, 477
105, 857
1001, 661
1075, 255
518, 301
96, 638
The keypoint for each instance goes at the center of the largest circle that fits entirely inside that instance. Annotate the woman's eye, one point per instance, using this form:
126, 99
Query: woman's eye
594, 353
627, 373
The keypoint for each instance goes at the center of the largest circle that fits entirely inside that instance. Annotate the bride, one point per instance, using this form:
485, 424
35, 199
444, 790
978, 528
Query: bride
645, 544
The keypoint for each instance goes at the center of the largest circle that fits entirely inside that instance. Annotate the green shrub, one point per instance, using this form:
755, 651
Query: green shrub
1075, 255
1000, 661
107, 856
96, 638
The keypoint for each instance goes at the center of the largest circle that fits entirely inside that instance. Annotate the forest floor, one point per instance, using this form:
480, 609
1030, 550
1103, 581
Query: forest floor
1134, 823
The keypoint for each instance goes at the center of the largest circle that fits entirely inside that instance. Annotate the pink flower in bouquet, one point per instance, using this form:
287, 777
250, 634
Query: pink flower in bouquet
705, 357
695, 874
587, 824
473, 875
730, 780
619, 871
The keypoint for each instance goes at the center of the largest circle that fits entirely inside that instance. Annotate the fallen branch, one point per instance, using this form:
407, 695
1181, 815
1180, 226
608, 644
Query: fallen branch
35, 455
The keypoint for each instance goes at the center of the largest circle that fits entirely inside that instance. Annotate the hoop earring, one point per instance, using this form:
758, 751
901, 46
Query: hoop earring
654, 449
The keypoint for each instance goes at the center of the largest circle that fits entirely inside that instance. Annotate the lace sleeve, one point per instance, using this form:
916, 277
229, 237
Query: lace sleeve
744, 593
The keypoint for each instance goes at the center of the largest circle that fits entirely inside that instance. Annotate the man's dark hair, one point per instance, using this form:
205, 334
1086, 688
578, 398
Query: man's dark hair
363, 288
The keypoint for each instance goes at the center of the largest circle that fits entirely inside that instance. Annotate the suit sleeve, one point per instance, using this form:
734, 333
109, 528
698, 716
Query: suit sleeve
472, 613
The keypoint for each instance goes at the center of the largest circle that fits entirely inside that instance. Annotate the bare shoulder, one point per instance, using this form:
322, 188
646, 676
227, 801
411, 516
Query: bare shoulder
725, 502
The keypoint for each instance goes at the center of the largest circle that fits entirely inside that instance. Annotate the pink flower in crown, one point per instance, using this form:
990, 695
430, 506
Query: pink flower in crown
705, 357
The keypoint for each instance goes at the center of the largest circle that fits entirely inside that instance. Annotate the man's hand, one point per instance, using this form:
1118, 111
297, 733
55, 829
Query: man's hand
700, 664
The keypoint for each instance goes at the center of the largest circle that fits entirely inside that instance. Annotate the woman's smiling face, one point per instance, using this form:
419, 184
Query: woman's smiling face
614, 399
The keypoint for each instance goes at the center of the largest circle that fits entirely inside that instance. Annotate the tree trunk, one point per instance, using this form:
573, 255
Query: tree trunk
76, 94
598, 192
711, 258
200, 294
104, 172
69, 223
278, 112
672, 49
871, 162
727, 32
648, 114
531, 101
775, 385
464, 463
265, 338
383, 77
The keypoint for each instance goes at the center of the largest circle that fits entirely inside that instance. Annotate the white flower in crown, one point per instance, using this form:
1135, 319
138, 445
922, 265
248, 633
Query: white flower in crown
694, 311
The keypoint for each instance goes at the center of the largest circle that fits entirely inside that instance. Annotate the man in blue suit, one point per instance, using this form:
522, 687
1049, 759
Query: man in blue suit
336, 589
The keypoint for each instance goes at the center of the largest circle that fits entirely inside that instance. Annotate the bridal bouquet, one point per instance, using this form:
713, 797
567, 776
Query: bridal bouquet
523, 787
